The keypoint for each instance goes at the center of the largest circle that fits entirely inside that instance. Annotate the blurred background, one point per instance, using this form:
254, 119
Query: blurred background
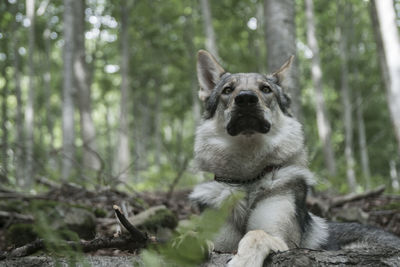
104, 93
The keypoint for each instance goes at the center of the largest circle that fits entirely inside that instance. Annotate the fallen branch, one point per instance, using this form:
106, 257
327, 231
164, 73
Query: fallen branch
135, 240
341, 200
15, 216
126, 243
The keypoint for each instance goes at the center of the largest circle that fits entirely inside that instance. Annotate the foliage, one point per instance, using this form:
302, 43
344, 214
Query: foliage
164, 37
191, 244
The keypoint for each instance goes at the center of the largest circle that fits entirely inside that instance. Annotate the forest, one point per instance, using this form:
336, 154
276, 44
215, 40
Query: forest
99, 106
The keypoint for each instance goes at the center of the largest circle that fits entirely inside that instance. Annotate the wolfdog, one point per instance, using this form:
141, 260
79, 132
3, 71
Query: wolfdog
252, 144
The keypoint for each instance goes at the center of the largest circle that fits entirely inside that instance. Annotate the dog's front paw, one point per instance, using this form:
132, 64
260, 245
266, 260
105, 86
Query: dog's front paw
254, 247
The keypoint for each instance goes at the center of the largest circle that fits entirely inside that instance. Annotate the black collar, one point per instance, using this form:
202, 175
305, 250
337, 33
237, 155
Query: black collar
267, 169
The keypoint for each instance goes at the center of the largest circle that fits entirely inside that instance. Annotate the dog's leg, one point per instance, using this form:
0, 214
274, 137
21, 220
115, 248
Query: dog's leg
254, 247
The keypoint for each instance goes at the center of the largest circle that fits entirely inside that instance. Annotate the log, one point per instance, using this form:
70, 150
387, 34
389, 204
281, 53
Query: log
308, 258
341, 200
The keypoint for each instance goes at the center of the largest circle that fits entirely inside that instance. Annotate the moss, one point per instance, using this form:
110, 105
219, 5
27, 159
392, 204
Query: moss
389, 206
99, 213
20, 234
162, 218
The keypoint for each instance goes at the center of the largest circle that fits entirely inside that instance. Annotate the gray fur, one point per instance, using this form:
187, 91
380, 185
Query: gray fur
274, 204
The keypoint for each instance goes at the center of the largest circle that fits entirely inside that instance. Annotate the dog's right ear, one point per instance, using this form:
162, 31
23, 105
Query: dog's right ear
208, 73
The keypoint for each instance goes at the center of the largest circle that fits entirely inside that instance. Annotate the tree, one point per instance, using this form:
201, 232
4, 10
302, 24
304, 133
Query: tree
30, 111
280, 35
388, 45
68, 106
88, 131
4, 129
362, 142
123, 152
211, 44
324, 128
346, 95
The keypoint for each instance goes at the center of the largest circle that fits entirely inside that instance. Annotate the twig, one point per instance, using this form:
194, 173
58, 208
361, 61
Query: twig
338, 201
135, 233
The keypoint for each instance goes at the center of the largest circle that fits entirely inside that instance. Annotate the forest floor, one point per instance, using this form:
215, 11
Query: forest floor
371, 208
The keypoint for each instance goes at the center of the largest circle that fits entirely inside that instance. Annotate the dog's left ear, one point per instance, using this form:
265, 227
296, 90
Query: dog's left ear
283, 71
209, 73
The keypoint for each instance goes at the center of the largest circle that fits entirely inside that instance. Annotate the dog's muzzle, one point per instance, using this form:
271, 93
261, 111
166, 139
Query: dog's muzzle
246, 116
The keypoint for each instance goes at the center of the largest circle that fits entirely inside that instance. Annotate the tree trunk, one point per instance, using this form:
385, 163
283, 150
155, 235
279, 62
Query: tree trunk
388, 41
346, 98
324, 128
30, 111
280, 34
393, 175
362, 142
123, 152
4, 129
68, 91
188, 39
211, 44
88, 132
157, 127
19, 119
48, 93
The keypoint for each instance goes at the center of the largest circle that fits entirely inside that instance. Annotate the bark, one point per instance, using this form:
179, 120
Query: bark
30, 111
323, 124
280, 34
4, 129
157, 126
362, 142
19, 148
388, 41
123, 154
47, 88
211, 44
188, 39
393, 175
346, 98
68, 91
307, 258
81, 75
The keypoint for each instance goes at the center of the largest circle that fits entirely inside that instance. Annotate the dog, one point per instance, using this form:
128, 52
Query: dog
250, 141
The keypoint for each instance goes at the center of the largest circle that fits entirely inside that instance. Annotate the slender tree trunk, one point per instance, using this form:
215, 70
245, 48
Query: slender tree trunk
48, 93
188, 39
211, 44
324, 128
280, 34
88, 132
123, 152
346, 99
20, 148
362, 142
388, 41
110, 145
30, 111
393, 175
4, 129
157, 127
68, 91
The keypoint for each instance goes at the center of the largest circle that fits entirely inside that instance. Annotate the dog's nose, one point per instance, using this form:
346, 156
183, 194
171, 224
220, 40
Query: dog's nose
246, 99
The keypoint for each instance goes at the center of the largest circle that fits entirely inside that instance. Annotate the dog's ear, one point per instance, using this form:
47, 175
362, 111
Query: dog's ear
283, 71
208, 73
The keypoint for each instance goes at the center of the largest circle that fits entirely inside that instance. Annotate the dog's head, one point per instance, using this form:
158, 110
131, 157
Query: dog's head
246, 102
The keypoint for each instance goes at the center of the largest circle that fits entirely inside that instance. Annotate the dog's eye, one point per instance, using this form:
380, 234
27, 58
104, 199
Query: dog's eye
227, 90
265, 89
